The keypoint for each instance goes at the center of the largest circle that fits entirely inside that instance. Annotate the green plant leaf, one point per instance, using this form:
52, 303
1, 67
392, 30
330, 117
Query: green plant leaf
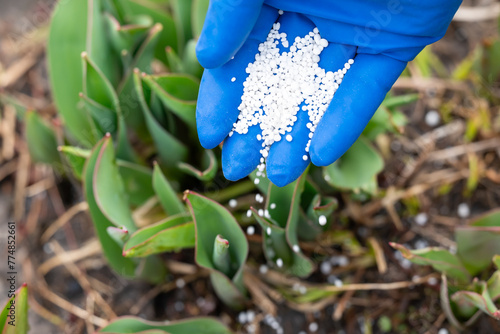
127, 36
111, 250
159, 14
210, 164
278, 202
309, 226
16, 323
141, 61
440, 259
67, 40
200, 8
262, 184
76, 158
182, 17
201, 325
170, 149
190, 64
211, 219
494, 286
356, 168
303, 266
136, 178
166, 194
281, 228
394, 101
480, 299
496, 261
174, 233
478, 242
41, 139
97, 86
109, 190
274, 243
119, 234
178, 92
137, 181
105, 118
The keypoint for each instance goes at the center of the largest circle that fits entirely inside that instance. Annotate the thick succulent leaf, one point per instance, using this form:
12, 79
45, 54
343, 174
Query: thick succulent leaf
209, 163
440, 259
104, 118
108, 188
166, 194
480, 299
200, 8
201, 325
211, 219
137, 181
159, 14
67, 40
76, 158
357, 168
41, 139
16, 323
178, 92
174, 233
170, 149
112, 251
478, 242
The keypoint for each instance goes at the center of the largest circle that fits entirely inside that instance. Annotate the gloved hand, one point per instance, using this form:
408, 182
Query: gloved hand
381, 37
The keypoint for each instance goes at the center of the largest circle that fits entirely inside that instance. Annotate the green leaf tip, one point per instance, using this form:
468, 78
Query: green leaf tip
220, 257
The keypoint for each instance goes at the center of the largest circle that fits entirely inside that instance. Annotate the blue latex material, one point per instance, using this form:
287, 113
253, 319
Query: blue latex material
381, 36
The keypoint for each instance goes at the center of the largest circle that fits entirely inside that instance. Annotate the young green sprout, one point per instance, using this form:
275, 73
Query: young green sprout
220, 257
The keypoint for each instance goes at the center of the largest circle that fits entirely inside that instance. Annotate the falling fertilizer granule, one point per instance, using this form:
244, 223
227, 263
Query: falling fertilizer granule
281, 85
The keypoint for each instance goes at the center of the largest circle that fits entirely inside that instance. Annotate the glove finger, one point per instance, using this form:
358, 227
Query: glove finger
227, 25
219, 97
286, 159
241, 154
362, 90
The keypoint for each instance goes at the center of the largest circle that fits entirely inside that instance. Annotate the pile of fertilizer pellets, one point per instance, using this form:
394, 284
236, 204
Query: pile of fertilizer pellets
279, 83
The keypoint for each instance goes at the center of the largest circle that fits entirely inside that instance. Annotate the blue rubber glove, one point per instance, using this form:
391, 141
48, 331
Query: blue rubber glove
381, 37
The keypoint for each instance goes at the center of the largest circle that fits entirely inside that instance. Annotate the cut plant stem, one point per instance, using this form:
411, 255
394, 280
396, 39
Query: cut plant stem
221, 258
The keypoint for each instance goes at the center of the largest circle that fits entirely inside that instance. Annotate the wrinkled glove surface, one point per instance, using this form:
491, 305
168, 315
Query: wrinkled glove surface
381, 37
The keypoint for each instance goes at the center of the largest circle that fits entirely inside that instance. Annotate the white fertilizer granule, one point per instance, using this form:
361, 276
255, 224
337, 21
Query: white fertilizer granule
281, 85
